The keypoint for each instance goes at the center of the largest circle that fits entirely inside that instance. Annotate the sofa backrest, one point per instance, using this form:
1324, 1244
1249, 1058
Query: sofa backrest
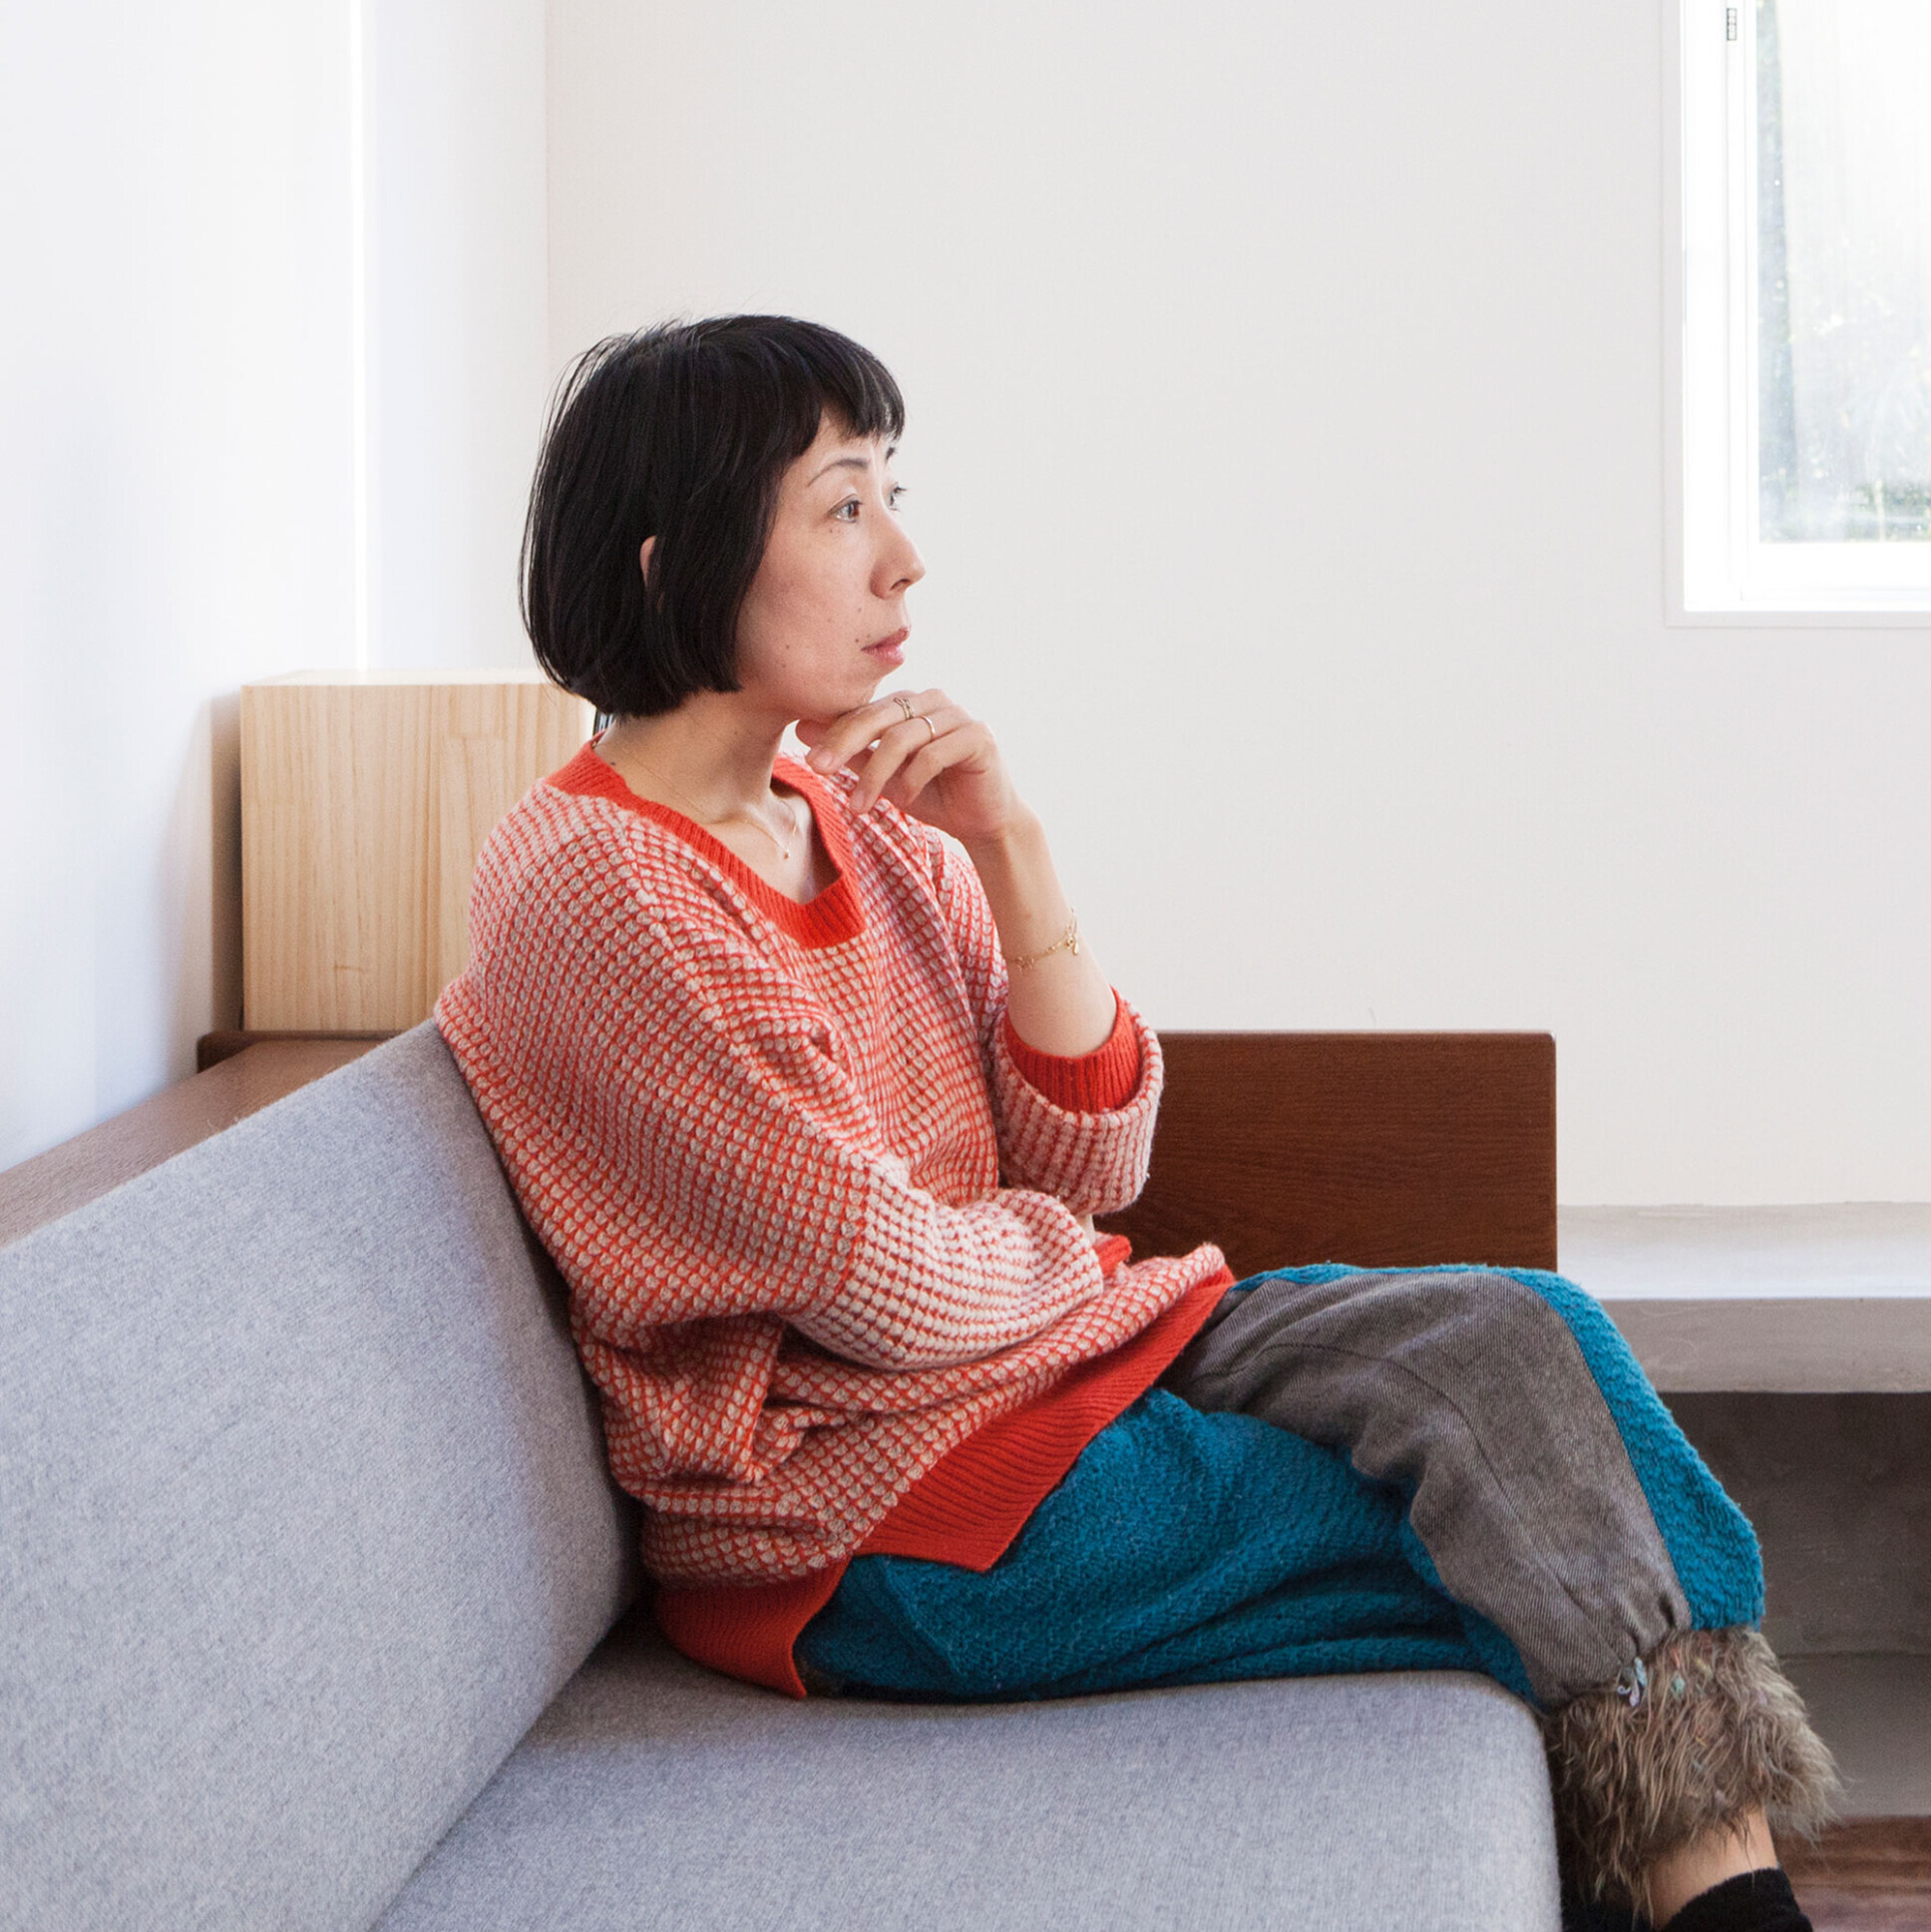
304, 1515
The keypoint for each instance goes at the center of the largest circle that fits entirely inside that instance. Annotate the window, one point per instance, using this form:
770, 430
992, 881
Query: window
1807, 306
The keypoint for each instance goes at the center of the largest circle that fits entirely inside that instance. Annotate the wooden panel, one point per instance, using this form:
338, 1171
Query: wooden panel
1865, 1875
69, 1175
225, 1043
364, 802
1387, 1149
477, 782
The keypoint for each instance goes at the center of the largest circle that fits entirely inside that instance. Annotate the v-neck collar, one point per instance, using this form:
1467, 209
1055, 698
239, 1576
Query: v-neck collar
830, 918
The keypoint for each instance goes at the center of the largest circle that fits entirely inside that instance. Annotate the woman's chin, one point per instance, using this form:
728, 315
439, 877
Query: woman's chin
825, 705
864, 693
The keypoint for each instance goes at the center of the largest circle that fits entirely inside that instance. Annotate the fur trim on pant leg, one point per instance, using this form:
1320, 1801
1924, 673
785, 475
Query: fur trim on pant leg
1715, 1731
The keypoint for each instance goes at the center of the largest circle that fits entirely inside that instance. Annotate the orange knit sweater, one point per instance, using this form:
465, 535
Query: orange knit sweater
817, 1227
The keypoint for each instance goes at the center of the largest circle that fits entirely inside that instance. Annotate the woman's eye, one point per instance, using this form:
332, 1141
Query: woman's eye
848, 512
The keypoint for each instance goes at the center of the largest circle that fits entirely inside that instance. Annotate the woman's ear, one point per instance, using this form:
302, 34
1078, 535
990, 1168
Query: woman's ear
644, 549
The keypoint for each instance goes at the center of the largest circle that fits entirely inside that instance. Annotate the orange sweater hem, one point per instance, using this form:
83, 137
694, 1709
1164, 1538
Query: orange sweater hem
966, 1509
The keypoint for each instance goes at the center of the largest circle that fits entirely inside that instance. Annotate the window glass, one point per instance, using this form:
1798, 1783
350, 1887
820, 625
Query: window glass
1843, 270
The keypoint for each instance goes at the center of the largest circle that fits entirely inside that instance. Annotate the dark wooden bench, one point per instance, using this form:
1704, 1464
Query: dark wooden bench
1387, 1149
1378, 1148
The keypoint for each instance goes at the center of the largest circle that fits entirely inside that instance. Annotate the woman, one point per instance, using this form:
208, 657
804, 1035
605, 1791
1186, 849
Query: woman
805, 1076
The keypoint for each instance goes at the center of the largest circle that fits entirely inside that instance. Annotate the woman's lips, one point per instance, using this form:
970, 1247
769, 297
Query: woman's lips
888, 651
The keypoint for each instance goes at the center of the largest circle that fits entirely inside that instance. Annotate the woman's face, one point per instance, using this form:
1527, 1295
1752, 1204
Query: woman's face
825, 618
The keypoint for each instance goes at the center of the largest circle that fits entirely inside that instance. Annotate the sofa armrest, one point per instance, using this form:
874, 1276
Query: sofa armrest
91, 1164
1387, 1149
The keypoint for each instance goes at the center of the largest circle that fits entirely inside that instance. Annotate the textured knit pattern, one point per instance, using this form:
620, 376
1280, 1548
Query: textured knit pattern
817, 1227
1181, 1548
1186, 1547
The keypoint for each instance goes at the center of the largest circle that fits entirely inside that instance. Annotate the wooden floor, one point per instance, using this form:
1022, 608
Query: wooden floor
1867, 1875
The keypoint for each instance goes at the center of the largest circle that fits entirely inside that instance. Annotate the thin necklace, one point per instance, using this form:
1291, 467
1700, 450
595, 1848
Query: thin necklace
784, 851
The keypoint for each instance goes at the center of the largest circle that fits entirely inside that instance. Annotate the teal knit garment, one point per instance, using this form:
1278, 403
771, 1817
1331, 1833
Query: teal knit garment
1192, 1548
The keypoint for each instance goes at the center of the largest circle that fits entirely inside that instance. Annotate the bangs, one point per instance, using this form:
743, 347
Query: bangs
788, 378
851, 386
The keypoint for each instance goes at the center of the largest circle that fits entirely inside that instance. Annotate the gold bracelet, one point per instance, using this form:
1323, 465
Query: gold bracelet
1069, 937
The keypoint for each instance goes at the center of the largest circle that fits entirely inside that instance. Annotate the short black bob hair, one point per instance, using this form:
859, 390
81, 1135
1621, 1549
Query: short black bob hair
683, 433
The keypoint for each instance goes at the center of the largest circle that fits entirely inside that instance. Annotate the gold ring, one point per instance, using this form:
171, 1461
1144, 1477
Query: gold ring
930, 728
904, 703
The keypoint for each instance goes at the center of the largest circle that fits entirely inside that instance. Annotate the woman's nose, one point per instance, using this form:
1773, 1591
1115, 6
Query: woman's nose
901, 565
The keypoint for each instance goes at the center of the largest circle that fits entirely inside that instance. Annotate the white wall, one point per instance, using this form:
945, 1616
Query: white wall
174, 460
1285, 445
460, 362
1287, 402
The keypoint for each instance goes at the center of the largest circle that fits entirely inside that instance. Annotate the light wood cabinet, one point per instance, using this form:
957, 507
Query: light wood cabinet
365, 799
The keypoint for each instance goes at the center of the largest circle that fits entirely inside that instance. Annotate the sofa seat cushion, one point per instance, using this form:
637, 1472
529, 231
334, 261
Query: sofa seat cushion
653, 1793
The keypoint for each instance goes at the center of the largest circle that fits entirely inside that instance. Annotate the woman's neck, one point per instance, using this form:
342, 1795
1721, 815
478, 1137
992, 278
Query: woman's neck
713, 763
707, 757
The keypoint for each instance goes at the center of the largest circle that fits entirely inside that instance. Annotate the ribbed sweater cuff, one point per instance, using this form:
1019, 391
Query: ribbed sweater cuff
1095, 1082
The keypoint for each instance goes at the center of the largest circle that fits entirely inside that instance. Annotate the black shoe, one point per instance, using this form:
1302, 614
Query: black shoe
1755, 1901
1581, 1914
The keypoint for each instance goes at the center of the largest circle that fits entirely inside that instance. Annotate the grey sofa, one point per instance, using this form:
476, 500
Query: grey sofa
318, 1609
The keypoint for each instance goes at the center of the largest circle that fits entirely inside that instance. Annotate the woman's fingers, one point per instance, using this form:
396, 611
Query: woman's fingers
907, 756
885, 723
959, 740
834, 741
926, 754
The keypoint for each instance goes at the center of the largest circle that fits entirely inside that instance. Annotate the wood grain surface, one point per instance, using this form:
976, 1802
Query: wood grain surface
69, 1175
224, 1045
364, 802
1387, 1149
1865, 1875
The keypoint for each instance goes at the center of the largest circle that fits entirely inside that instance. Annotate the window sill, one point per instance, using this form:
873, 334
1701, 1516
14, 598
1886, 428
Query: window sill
1796, 1300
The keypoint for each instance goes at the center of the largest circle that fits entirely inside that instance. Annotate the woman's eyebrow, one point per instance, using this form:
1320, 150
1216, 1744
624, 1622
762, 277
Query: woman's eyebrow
849, 463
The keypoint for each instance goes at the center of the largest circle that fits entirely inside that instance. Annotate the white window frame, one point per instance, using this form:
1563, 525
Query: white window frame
1720, 570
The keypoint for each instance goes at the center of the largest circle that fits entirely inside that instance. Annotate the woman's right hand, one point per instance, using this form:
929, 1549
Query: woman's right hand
929, 756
